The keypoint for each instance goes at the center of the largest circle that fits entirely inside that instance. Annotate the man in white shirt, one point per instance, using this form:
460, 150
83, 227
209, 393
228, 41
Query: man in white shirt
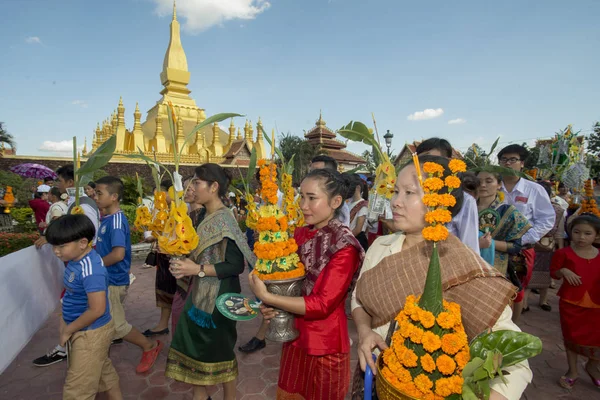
533, 202
465, 224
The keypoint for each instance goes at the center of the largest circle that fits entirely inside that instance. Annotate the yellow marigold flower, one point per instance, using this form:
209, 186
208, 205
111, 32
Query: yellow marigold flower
445, 364
423, 383
406, 328
431, 342
427, 319
439, 215
447, 200
432, 200
435, 233
433, 168
443, 387
456, 166
452, 182
453, 342
427, 363
462, 357
433, 184
446, 320
454, 309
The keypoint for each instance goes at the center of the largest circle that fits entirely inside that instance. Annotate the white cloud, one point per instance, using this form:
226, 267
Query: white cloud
80, 103
429, 113
457, 121
200, 15
33, 40
64, 146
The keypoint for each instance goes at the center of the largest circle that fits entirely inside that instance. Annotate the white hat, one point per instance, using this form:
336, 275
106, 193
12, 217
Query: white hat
43, 189
231, 194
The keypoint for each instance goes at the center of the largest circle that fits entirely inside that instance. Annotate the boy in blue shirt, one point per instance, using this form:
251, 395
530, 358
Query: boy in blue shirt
86, 323
114, 246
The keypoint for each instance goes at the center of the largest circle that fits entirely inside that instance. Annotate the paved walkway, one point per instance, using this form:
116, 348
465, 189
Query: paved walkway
259, 371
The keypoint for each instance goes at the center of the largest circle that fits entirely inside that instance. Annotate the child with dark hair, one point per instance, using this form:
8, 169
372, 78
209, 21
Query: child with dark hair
114, 246
435, 147
578, 265
321, 354
359, 210
86, 323
40, 206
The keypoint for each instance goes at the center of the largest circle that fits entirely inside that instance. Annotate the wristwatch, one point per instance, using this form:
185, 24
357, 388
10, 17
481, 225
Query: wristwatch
201, 274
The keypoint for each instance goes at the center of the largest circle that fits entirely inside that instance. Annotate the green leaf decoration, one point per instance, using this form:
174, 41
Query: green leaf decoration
140, 186
467, 393
494, 145
514, 346
269, 141
251, 166
496, 169
98, 159
358, 132
208, 121
149, 161
474, 364
431, 299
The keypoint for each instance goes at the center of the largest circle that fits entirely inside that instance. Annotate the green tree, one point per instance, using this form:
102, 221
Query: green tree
370, 166
534, 155
6, 138
475, 156
302, 151
594, 140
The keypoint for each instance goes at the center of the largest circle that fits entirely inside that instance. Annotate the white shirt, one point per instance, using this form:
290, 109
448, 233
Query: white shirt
465, 225
533, 202
344, 215
520, 374
89, 212
361, 213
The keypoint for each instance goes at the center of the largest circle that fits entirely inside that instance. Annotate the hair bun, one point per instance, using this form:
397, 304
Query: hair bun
64, 196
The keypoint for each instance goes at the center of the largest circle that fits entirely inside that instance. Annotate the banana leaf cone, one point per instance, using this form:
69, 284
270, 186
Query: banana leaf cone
431, 299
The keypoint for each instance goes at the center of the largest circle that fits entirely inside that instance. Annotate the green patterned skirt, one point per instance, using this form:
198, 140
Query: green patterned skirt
201, 356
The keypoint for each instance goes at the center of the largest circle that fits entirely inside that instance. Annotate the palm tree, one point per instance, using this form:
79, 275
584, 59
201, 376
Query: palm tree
302, 151
6, 138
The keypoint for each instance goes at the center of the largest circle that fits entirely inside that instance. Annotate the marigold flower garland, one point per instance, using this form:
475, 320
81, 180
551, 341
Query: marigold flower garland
589, 205
429, 350
275, 249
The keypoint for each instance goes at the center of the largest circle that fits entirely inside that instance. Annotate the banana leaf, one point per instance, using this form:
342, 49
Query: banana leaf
494, 146
268, 139
358, 132
149, 161
514, 346
208, 121
431, 299
97, 160
251, 167
139, 186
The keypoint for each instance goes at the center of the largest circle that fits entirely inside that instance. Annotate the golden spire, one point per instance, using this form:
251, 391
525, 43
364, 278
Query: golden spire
175, 75
239, 134
321, 122
231, 137
137, 133
174, 11
84, 151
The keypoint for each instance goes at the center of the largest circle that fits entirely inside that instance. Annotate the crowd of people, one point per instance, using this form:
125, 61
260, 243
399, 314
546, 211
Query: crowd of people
511, 237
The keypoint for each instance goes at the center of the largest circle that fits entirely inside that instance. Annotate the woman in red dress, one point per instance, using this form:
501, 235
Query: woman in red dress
579, 267
316, 366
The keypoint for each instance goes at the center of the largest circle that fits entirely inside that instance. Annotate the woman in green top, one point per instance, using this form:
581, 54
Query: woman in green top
201, 352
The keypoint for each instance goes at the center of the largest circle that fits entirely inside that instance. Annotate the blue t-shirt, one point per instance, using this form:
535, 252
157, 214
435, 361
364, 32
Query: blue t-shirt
114, 232
87, 275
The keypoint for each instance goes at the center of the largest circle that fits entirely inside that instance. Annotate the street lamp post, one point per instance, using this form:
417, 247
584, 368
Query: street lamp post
388, 141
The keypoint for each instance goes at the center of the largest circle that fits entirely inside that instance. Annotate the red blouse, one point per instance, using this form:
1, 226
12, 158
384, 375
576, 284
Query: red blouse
40, 209
588, 293
324, 327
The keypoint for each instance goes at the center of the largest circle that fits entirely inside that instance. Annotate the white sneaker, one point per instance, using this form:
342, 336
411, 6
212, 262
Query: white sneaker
131, 278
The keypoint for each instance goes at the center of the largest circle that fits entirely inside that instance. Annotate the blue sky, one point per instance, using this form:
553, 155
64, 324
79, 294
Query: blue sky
522, 70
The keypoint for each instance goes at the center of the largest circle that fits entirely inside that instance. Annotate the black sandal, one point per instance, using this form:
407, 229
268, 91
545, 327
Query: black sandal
149, 333
546, 307
525, 310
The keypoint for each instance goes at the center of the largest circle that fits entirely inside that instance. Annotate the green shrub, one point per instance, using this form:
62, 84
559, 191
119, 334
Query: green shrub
11, 242
129, 212
21, 187
136, 236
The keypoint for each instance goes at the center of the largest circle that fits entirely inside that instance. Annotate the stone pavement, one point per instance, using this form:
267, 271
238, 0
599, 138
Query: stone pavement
259, 371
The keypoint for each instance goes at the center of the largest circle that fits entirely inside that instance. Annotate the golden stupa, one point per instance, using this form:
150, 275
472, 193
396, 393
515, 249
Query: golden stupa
152, 136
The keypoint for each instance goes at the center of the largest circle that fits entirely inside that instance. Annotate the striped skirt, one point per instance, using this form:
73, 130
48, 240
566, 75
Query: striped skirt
306, 377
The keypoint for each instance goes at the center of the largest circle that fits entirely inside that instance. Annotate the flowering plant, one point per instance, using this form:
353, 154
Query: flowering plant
589, 205
143, 217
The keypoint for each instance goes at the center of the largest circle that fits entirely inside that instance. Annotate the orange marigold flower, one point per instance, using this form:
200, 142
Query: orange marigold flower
462, 357
416, 335
427, 319
433, 168
435, 233
408, 358
456, 166
431, 342
427, 363
433, 184
452, 182
432, 199
453, 308
443, 387
447, 200
423, 383
439, 215
453, 342
445, 364
446, 320
406, 329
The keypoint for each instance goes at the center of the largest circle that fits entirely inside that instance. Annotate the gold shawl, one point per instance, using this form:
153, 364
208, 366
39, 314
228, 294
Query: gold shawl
480, 290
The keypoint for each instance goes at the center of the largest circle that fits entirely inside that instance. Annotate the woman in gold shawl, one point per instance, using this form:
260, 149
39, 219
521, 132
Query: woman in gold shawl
201, 352
396, 266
